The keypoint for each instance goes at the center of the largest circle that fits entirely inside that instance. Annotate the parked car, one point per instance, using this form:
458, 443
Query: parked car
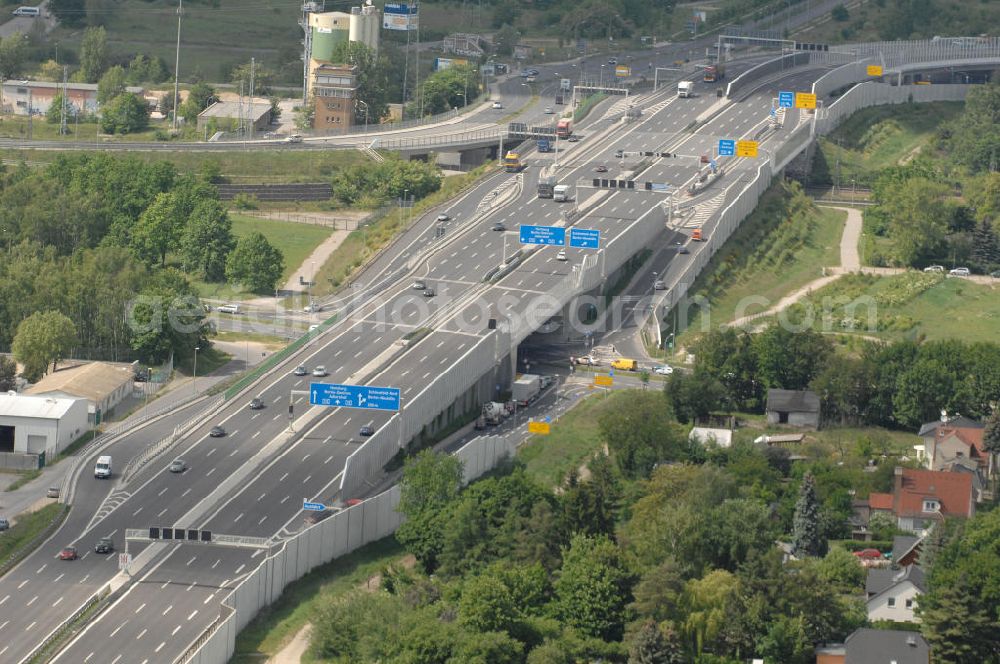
320, 371
68, 553
217, 431
104, 545
366, 431
256, 403
601, 169
294, 138
4, 524
177, 466
418, 285
934, 268
663, 370
498, 226
497, 104
959, 272
53, 492
443, 217
561, 256
869, 554
313, 308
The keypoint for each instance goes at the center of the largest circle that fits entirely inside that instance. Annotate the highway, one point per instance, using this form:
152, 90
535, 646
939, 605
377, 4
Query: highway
178, 596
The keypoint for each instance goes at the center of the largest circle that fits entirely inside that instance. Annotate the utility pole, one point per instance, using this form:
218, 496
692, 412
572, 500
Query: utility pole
62, 111
177, 59
252, 112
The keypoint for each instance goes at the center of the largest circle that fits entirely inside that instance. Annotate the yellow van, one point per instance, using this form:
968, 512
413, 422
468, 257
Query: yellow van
625, 364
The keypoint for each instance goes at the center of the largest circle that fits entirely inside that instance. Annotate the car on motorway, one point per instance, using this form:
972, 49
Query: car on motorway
663, 369
613, 61
104, 545
294, 138
497, 105
320, 371
683, 249
619, 154
573, 138
256, 403
177, 466
418, 285
659, 285
217, 431
561, 256
429, 292
601, 168
959, 272
498, 226
548, 110
300, 371
4, 524
443, 217
934, 268
313, 308
69, 553
366, 431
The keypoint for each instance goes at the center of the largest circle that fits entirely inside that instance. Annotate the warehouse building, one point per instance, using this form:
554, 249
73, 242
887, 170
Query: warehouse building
18, 96
35, 425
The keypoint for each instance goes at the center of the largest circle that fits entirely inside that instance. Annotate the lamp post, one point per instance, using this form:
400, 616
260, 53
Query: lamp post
366, 113
195, 372
177, 59
602, 75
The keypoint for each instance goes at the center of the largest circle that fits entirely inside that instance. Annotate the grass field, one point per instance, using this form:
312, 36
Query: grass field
913, 305
28, 527
744, 269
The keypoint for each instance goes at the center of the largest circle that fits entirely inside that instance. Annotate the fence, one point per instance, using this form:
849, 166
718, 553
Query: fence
335, 223
872, 94
337, 536
754, 74
897, 54
137, 462
19, 461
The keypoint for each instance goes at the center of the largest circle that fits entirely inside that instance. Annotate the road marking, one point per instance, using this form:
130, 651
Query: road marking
209, 598
163, 492
209, 473
141, 607
211, 452
239, 569
256, 553
56, 603
255, 435
427, 374
238, 517
84, 579
261, 497
115, 660
283, 500
22, 584
117, 629
233, 453
32, 600
329, 459
41, 568
193, 614
191, 561
160, 647
222, 586
305, 457
84, 555
176, 629
29, 628
6, 597
136, 513
186, 493
85, 659
216, 563
141, 634
193, 584
276, 416
282, 478
167, 610
262, 519
163, 512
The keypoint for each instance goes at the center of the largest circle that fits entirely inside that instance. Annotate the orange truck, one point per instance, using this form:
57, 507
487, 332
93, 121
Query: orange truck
696, 235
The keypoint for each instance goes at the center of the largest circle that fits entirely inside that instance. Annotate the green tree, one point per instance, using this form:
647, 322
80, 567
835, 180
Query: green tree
263, 79
208, 239
840, 13
729, 357
428, 490
642, 433
694, 396
786, 642
706, 600
158, 230
651, 646
125, 114
167, 317
94, 55
789, 359
840, 568
844, 390
659, 594
976, 133
372, 78
8, 374
589, 506
592, 587
112, 84
70, 13
991, 435
53, 115
806, 536
487, 605
918, 214
146, 70
255, 264
506, 38
13, 52
42, 338
446, 89
201, 96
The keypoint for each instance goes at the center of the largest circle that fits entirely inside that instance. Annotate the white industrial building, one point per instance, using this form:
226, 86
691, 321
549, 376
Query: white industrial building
37, 424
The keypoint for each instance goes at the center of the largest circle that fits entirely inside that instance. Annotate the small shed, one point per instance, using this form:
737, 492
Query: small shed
796, 407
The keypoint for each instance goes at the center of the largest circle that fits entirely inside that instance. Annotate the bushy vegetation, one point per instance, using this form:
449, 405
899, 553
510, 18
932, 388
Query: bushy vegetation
378, 183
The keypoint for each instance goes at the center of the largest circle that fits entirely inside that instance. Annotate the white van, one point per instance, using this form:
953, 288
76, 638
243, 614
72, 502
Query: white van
229, 309
102, 470
28, 11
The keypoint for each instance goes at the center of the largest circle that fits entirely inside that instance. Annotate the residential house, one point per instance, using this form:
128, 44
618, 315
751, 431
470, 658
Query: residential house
891, 593
906, 550
877, 646
798, 407
952, 440
921, 498
716, 436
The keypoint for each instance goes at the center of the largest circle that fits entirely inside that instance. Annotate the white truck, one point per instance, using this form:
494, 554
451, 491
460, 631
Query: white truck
493, 413
102, 469
526, 389
560, 193
685, 89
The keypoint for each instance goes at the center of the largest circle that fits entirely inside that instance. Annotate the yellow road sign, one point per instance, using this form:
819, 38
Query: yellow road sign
874, 70
604, 381
805, 100
746, 148
539, 427
623, 71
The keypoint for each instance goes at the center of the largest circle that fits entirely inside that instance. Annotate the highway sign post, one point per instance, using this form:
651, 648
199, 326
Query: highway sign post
805, 100
746, 149
786, 100
313, 507
546, 235
727, 147
354, 396
585, 238
604, 381
543, 428
623, 71
124, 560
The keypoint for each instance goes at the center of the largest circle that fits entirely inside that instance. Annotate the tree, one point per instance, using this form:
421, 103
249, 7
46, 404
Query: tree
142, 70
13, 52
806, 537
8, 374
976, 133
789, 359
694, 396
786, 642
487, 605
167, 317
428, 490
201, 96
651, 646
446, 89
53, 114
991, 435
111, 85
592, 587
841, 569
641, 433
43, 337
158, 230
840, 13
125, 114
986, 246
372, 78
262, 79
50, 70
589, 506
706, 599
505, 39
93, 54
70, 13
208, 239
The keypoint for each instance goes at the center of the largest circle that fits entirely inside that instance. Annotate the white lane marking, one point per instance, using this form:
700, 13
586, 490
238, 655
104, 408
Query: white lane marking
209, 598
193, 614
176, 629
41, 568
282, 502
163, 492
211, 452
6, 597
164, 511
238, 517
160, 647
117, 629
141, 634
209, 473
186, 493
262, 519
193, 584
31, 626
239, 569
235, 451
191, 561
57, 602
115, 660
216, 563
164, 585
329, 459
22, 584
136, 513
141, 607
32, 600
167, 610
255, 435
282, 478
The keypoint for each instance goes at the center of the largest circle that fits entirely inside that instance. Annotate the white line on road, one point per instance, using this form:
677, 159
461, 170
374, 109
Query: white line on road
216, 563
6, 597
31, 626
186, 492
167, 610
211, 452
176, 629
22, 584
136, 513
160, 647
164, 511
209, 598
283, 500
193, 584
193, 558
32, 600
57, 602
329, 459
262, 519
282, 478
141, 607
141, 634
164, 585
41, 568
163, 492
193, 614
239, 569
117, 629
255, 435
238, 517
209, 473
84, 579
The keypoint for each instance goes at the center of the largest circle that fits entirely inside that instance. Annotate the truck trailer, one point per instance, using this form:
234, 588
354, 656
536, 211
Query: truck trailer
546, 186
560, 193
685, 89
564, 129
526, 389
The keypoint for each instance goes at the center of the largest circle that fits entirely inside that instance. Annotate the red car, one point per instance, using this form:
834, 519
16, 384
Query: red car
68, 553
869, 554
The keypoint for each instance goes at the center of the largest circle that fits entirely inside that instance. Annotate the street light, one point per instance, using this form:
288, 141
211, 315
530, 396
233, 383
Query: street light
602, 75
366, 113
195, 372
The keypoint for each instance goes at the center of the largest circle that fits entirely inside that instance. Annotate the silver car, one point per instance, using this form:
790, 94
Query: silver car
178, 466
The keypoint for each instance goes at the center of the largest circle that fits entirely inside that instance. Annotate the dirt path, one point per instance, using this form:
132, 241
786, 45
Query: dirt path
317, 258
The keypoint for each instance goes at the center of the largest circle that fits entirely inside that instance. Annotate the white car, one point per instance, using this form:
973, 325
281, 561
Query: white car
960, 272
664, 369
561, 256
320, 371
443, 217
294, 138
548, 110
934, 268
497, 104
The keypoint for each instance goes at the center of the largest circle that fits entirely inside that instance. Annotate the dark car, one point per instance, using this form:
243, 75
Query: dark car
619, 154
498, 226
178, 466
104, 545
366, 431
217, 431
601, 169
68, 553
256, 403
429, 292
682, 250
573, 139
300, 371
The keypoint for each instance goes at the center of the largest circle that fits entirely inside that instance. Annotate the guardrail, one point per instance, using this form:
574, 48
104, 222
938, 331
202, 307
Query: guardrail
37, 653
895, 54
137, 462
461, 138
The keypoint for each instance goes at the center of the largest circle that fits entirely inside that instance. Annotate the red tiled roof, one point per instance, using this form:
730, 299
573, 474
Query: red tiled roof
968, 435
880, 501
952, 490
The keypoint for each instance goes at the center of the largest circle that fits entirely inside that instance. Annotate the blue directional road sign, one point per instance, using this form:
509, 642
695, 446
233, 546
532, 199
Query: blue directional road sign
585, 238
548, 235
727, 147
786, 100
354, 396
313, 507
